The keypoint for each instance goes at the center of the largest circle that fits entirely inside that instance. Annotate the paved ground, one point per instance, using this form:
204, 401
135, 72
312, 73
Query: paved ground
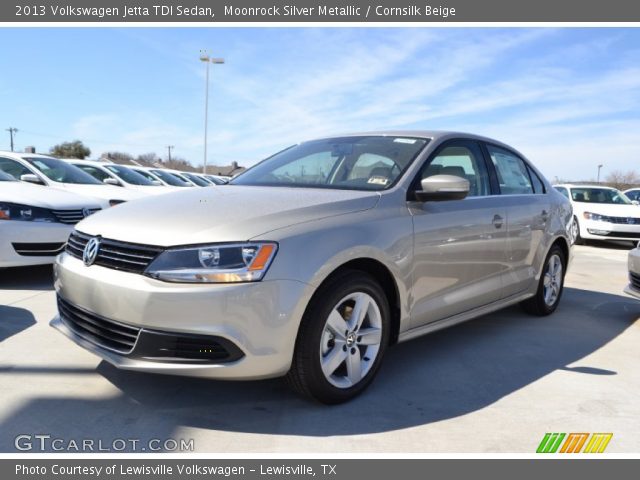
496, 384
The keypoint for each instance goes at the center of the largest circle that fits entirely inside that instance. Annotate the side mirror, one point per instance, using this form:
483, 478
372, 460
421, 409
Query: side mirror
442, 187
157, 183
112, 181
635, 202
31, 178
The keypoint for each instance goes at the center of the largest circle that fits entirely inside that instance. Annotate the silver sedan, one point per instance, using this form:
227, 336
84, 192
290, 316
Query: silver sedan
313, 262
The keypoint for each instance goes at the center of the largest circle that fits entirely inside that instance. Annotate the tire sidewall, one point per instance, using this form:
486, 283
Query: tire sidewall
555, 250
323, 304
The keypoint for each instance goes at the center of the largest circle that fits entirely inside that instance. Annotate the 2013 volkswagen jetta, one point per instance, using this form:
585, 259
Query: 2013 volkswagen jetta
314, 261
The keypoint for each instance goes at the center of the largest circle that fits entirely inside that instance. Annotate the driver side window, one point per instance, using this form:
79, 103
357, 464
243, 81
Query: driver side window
461, 161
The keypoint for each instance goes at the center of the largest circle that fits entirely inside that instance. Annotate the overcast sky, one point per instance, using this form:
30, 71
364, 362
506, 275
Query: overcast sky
569, 98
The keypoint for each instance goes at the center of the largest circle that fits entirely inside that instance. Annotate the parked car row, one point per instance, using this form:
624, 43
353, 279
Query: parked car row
401, 233
42, 197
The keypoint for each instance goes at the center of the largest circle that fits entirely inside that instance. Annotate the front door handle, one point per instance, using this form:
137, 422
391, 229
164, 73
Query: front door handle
497, 221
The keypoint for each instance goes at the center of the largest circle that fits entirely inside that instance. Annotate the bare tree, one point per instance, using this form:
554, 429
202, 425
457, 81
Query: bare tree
148, 159
118, 157
622, 180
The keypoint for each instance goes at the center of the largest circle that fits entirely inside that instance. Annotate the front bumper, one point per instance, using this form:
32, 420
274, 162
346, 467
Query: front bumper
31, 238
633, 265
597, 230
258, 319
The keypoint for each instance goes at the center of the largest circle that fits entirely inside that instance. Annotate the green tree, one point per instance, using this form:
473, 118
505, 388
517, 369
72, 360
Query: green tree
75, 149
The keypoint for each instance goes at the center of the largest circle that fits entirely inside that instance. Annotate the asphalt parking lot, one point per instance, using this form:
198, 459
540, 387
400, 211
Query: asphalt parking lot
496, 384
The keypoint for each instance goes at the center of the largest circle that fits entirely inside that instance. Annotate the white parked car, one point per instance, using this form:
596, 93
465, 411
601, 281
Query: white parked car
52, 172
120, 176
601, 213
633, 194
36, 222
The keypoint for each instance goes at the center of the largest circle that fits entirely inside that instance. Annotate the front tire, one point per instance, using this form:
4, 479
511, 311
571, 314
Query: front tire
550, 286
575, 233
342, 339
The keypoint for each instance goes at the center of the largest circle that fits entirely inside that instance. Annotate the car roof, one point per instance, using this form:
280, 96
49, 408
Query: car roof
427, 134
21, 155
86, 162
574, 185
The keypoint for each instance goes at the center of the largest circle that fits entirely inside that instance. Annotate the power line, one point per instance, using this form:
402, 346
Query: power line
12, 131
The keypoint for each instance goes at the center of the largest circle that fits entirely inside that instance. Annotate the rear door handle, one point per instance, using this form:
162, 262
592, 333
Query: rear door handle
497, 221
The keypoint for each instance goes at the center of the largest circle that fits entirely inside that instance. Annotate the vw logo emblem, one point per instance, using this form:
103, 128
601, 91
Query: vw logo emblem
631, 221
86, 212
91, 251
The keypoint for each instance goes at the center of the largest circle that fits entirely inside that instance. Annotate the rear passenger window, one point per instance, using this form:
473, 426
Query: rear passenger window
512, 172
461, 161
538, 186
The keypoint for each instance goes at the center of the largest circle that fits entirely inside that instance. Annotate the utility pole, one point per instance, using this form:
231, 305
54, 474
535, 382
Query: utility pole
169, 148
12, 131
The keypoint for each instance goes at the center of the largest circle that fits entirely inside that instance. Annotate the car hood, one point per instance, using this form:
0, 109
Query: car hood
44, 197
608, 209
221, 214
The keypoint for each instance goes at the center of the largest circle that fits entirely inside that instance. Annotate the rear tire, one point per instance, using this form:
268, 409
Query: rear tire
342, 338
550, 286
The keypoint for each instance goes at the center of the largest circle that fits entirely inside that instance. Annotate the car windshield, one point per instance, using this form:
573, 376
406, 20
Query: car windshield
216, 180
128, 175
60, 171
599, 195
201, 182
170, 178
350, 163
146, 175
5, 177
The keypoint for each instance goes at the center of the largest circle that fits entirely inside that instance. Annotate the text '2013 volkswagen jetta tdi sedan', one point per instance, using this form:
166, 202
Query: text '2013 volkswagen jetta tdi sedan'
314, 261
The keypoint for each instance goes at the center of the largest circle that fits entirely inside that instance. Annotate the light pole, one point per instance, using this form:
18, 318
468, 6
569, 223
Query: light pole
599, 167
204, 57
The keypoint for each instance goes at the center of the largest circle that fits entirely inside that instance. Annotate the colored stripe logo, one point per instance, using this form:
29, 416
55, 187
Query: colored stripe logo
574, 443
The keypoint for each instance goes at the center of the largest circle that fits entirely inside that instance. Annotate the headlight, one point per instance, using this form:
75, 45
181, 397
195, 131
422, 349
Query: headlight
217, 263
25, 213
594, 216
113, 202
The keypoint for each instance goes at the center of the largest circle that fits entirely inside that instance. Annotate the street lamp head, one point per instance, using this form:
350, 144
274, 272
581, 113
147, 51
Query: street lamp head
217, 60
204, 57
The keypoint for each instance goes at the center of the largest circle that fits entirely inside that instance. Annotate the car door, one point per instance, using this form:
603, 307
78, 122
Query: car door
459, 245
527, 213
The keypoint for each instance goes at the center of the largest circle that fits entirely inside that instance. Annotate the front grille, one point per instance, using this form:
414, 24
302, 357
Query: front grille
71, 217
38, 249
98, 330
128, 257
634, 279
